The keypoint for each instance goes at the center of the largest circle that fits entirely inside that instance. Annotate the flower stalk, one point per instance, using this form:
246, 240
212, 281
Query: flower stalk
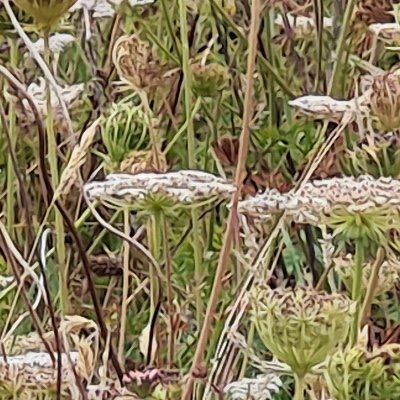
53, 161
356, 292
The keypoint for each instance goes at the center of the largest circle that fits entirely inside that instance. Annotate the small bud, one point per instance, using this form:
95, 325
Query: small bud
356, 373
209, 79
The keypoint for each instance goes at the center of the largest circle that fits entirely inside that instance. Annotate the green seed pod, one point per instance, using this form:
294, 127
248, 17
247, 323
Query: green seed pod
357, 374
209, 79
300, 326
45, 12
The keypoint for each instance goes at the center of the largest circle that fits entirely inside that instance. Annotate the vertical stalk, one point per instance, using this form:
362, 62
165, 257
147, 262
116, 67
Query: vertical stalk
372, 284
13, 136
356, 291
299, 387
155, 246
52, 156
191, 148
333, 89
125, 290
168, 268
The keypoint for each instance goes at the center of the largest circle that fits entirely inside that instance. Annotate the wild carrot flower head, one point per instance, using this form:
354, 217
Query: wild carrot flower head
301, 326
352, 207
159, 191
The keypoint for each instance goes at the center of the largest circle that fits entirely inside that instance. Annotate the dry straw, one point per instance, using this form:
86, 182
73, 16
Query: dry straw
70, 175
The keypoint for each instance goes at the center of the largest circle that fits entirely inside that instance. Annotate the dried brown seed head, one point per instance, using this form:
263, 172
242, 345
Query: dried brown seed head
137, 64
385, 100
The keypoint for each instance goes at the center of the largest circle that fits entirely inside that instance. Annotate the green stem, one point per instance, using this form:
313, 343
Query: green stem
52, 156
198, 265
187, 73
156, 243
356, 292
125, 291
13, 134
170, 27
299, 387
338, 66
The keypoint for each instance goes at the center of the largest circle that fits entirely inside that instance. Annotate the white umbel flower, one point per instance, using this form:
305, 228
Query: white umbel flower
321, 198
328, 108
105, 8
57, 43
35, 371
70, 95
263, 387
302, 26
185, 187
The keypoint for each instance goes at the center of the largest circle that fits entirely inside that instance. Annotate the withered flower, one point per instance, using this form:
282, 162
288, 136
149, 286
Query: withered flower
137, 64
209, 79
328, 108
301, 326
385, 101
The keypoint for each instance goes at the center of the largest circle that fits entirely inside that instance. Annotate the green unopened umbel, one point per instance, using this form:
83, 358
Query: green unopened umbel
45, 12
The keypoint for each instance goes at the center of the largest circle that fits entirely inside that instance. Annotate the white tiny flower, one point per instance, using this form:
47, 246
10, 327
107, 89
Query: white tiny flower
57, 43
386, 31
186, 187
70, 95
263, 387
302, 26
325, 107
105, 8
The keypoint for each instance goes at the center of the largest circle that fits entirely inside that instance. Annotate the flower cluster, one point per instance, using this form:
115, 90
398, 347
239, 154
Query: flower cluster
185, 187
300, 326
316, 201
